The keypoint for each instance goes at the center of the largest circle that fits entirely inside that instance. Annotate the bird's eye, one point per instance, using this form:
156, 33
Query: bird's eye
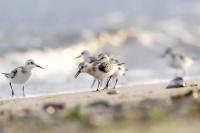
82, 67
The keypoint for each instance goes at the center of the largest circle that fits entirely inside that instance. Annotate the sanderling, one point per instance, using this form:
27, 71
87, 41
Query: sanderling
86, 57
121, 71
177, 60
21, 75
100, 70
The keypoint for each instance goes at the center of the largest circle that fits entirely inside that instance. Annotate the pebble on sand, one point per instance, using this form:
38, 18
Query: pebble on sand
177, 82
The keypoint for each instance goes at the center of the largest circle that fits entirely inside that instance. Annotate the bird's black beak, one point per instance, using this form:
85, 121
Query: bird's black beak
100, 59
78, 57
120, 64
79, 71
39, 66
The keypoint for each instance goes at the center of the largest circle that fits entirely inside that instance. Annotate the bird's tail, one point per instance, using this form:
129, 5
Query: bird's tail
7, 75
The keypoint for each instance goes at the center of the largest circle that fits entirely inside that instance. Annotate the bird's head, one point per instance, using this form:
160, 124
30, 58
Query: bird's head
82, 67
103, 58
30, 64
84, 54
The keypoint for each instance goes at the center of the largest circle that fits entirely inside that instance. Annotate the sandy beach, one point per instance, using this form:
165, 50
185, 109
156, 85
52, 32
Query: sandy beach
146, 44
129, 108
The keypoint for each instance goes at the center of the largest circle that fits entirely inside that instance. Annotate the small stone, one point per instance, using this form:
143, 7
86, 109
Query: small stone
177, 82
112, 92
52, 108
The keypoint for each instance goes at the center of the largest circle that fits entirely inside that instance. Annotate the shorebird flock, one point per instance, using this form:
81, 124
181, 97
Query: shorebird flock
101, 68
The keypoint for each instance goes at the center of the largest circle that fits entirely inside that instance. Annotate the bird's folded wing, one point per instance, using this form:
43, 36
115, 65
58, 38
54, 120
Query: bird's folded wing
105, 67
92, 59
14, 72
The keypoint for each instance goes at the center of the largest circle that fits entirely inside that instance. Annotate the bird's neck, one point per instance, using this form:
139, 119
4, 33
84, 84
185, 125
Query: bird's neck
27, 68
90, 69
85, 57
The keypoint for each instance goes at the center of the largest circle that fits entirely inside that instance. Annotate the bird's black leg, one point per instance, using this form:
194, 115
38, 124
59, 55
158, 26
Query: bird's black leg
93, 83
23, 91
107, 83
115, 83
12, 89
99, 82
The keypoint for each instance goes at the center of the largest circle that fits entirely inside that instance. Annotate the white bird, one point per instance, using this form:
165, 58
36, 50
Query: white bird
86, 57
21, 75
121, 71
177, 60
99, 70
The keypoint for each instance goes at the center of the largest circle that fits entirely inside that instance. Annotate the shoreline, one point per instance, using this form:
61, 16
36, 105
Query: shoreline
61, 93
154, 90
130, 107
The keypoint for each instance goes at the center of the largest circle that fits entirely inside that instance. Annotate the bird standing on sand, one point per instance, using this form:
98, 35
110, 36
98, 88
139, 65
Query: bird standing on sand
86, 56
21, 75
177, 60
121, 71
100, 70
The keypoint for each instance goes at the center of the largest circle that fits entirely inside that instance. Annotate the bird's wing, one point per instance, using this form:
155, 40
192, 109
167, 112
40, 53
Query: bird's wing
13, 73
105, 67
185, 58
115, 61
92, 59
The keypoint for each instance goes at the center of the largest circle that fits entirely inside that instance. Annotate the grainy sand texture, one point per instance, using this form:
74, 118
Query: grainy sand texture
142, 108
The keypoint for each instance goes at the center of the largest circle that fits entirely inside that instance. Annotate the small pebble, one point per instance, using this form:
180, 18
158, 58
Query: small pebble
177, 82
51, 108
112, 92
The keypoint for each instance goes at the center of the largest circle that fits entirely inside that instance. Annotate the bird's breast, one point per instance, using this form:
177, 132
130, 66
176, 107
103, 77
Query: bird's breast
21, 78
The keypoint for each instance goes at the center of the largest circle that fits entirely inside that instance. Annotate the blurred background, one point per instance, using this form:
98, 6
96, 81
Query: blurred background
53, 32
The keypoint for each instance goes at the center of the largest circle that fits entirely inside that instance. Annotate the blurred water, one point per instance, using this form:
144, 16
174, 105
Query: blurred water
135, 31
